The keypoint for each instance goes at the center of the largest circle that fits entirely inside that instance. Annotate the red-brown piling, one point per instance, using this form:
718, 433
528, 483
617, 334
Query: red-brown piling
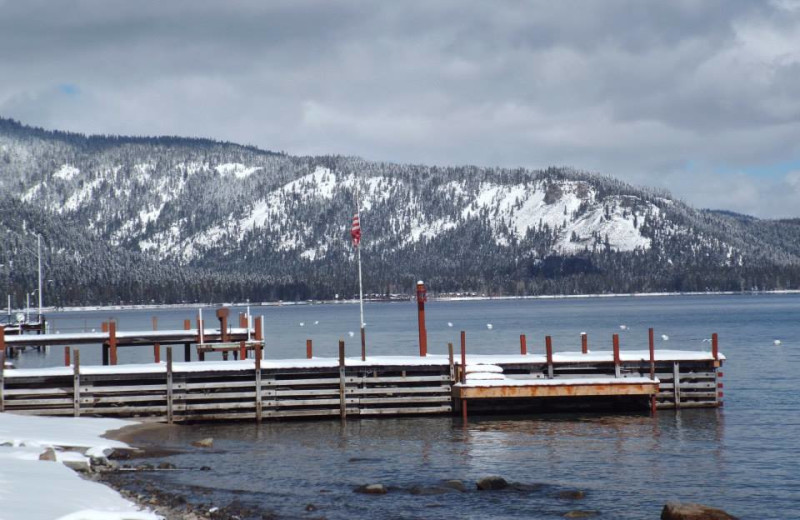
222, 316
156, 346
259, 333
616, 355
584, 343
112, 342
187, 347
652, 344
715, 346
548, 346
363, 344
423, 333
523, 345
67, 361
309, 349
463, 373
242, 350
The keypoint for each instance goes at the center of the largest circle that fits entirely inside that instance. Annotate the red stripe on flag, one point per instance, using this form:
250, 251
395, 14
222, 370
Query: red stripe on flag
355, 231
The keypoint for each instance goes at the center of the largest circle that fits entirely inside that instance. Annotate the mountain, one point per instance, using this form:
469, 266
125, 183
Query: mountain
170, 219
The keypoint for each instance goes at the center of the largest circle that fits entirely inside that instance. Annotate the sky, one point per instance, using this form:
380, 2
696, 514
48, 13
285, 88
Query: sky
701, 98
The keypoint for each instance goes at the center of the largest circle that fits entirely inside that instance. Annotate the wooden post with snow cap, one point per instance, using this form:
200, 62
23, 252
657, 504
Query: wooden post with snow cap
423, 333
169, 385
584, 343
187, 347
463, 374
201, 356
715, 348
615, 339
309, 349
548, 345
112, 342
156, 346
523, 345
652, 344
342, 383
66, 356
242, 349
222, 316
76, 383
2, 366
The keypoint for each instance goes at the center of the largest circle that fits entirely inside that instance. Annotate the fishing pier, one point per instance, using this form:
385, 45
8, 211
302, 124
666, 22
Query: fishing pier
251, 387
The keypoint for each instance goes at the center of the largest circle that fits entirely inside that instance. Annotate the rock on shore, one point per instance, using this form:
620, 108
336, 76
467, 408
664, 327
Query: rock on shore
690, 511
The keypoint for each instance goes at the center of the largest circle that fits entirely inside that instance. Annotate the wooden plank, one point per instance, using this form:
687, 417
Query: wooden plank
432, 410
401, 400
302, 413
409, 379
169, 386
301, 393
511, 392
60, 391
110, 390
191, 387
313, 402
399, 390
219, 396
65, 401
156, 398
323, 381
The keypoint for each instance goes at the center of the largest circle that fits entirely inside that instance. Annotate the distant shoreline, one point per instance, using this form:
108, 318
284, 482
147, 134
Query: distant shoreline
449, 298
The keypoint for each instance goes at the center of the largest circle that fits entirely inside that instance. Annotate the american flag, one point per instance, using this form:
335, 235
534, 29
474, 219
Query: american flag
355, 231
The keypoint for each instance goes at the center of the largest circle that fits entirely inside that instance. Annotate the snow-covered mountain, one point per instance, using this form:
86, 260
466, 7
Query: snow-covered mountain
275, 221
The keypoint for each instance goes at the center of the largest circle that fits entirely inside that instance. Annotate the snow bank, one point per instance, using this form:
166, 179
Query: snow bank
33, 489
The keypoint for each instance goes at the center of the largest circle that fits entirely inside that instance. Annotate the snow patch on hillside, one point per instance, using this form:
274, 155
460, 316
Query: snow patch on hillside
66, 172
236, 170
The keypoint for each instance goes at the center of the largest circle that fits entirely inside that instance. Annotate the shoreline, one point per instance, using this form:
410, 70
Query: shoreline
431, 298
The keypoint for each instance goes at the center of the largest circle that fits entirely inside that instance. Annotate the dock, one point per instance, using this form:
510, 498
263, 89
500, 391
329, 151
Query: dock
252, 388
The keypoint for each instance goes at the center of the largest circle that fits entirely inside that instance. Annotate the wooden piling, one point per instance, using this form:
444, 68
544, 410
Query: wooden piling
104, 328
243, 320
112, 342
242, 350
617, 371
169, 386
523, 345
2, 367
222, 316
584, 343
363, 344
652, 345
548, 346
463, 374
676, 383
715, 346
258, 382
201, 356
309, 349
156, 346
342, 383
259, 335
67, 361
187, 347
76, 383
450, 360
423, 332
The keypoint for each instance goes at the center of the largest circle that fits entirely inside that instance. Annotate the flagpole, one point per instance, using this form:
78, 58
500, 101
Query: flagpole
360, 283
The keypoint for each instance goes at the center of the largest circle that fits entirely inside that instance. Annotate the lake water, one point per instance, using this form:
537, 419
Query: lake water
743, 457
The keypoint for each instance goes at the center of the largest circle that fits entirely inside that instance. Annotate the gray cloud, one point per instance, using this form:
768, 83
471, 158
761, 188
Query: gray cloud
658, 93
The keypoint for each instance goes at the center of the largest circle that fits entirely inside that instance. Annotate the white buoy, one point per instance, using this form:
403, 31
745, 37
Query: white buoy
302, 324
777, 343
352, 333
316, 322
583, 333
449, 323
623, 327
664, 337
489, 326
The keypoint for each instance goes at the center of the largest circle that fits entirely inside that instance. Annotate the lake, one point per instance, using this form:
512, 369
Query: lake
742, 458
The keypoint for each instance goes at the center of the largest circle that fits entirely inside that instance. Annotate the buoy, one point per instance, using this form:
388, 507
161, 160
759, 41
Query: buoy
623, 327
449, 323
777, 343
316, 322
489, 326
352, 333
664, 337
302, 324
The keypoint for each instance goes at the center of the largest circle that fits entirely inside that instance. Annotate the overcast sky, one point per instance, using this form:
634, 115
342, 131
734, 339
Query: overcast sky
699, 97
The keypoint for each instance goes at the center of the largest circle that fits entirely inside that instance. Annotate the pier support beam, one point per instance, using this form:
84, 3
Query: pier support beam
342, 383
584, 343
76, 383
548, 345
187, 347
652, 345
464, 374
112, 342
617, 372
309, 349
523, 345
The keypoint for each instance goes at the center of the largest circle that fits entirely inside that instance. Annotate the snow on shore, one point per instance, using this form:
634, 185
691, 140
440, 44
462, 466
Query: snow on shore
33, 489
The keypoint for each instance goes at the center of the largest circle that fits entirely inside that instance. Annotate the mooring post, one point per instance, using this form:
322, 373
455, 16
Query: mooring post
584, 343
76, 383
169, 385
259, 332
243, 320
112, 341
715, 348
257, 353
615, 339
201, 356
548, 345
523, 345
363, 344
342, 382
463, 374
309, 349
187, 347
156, 346
450, 360
652, 344
66, 357
423, 333
222, 316
243, 349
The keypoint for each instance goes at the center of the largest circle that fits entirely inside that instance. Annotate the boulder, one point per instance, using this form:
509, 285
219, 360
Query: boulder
456, 485
372, 489
208, 442
166, 465
691, 511
579, 513
49, 454
572, 494
492, 483
430, 490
